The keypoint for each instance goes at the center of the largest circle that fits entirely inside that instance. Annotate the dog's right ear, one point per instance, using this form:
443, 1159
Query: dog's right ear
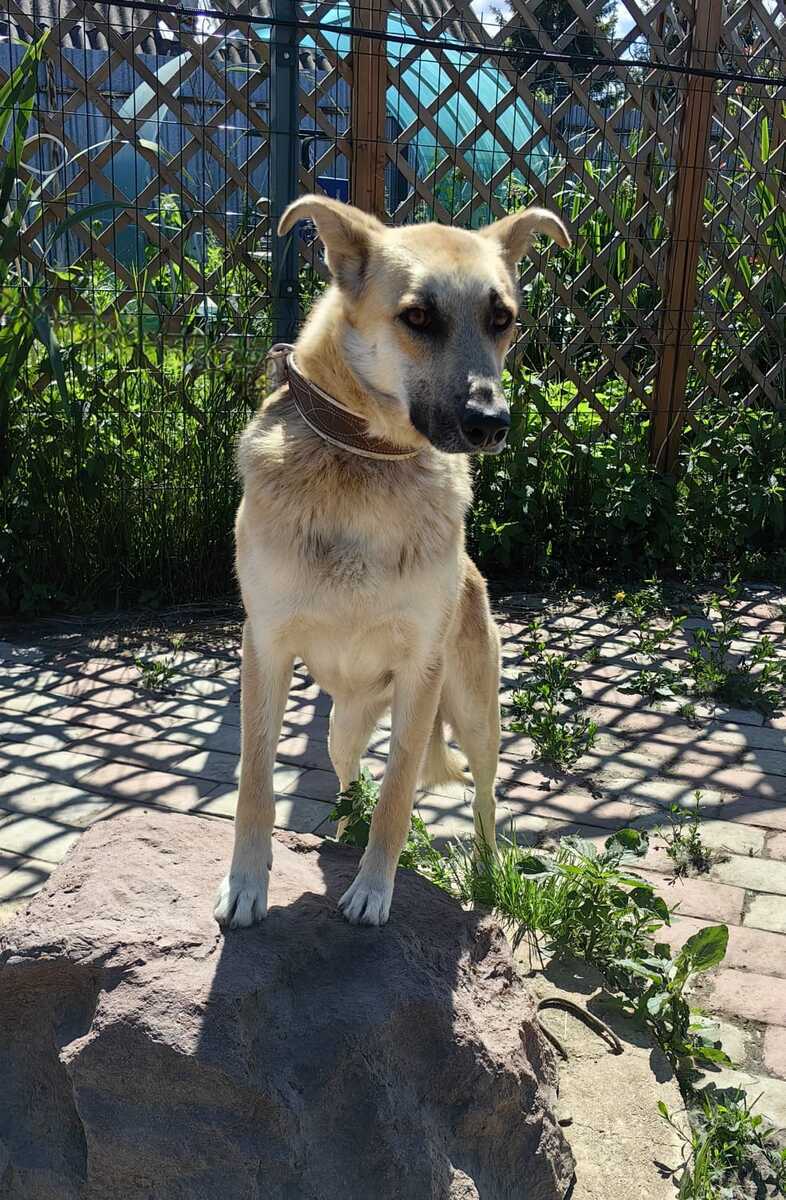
348, 233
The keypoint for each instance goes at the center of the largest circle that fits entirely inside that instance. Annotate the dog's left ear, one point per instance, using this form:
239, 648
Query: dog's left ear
516, 233
349, 235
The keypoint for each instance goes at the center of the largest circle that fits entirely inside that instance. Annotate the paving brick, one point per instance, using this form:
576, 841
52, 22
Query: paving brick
739, 716
210, 764
746, 736
715, 902
740, 1043
318, 785
747, 995
749, 949
57, 766
114, 744
750, 810
766, 911
569, 804
300, 813
772, 762
774, 1051
35, 837
661, 793
304, 751
120, 781
95, 690
222, 799
776, 846
449, 816
200, 735
20, 876
756, 874
298, 719
37, 797
125, 747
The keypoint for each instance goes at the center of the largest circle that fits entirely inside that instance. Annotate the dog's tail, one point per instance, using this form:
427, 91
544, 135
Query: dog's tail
441, 763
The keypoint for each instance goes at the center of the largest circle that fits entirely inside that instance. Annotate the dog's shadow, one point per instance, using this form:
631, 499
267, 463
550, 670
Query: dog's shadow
361, 1074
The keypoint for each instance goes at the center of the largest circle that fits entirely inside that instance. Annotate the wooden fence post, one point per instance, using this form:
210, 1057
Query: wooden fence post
676, 330
283, 171
369, 107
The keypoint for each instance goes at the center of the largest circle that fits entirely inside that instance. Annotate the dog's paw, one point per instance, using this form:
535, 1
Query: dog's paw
367, 901
242, 898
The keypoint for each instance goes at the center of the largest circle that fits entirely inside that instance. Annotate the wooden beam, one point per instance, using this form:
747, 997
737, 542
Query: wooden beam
676, 330
369, 108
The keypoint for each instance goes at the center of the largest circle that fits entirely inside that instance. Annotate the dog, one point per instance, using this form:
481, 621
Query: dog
350, 532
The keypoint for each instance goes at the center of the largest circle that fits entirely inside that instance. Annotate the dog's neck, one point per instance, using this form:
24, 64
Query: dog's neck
322, 359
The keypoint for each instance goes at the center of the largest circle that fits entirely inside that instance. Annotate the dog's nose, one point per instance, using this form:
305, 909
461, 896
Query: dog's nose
484, 427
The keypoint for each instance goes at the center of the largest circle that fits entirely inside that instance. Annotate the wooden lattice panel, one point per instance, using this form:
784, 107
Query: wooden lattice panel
742, 298
477, 131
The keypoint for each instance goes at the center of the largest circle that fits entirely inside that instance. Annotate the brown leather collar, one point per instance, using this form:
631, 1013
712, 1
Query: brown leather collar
327, 416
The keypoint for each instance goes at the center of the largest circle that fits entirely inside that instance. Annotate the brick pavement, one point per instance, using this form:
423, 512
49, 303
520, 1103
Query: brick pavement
80, 739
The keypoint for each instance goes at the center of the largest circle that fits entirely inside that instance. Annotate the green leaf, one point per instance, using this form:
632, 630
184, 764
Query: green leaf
764, 139
85, 214
636, 968
532, 866
663, 1110
632, 840
706, 948
712, 1054
46, 337
657, 1003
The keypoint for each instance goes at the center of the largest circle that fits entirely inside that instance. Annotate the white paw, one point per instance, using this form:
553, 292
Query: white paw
367, 901
242, 898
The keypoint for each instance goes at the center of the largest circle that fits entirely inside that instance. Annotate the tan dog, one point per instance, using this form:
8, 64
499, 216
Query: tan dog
356, 564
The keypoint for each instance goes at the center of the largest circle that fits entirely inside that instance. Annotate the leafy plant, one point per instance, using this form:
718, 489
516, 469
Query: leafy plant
353, 810
688, 712
683, 840
546, 703
655, 985
155, 674
732, 1152
645, 610
655, 683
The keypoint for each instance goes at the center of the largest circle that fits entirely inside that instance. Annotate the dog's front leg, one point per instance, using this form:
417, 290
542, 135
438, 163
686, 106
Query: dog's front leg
265, 680
415, 700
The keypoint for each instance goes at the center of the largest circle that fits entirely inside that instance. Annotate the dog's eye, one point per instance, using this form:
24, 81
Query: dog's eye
501, 318
416, 318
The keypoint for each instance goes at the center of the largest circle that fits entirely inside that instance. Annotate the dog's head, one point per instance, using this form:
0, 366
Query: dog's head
428, 314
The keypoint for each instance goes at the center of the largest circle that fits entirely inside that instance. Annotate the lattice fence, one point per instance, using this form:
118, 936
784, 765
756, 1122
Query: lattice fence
671, 180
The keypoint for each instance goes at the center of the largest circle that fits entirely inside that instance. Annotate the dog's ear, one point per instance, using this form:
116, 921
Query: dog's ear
348, 233
516, 233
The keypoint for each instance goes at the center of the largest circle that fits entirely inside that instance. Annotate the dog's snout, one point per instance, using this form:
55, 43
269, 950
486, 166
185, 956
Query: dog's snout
485, 425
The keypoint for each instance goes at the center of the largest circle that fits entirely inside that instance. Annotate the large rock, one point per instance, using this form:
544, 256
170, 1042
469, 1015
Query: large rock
144, 1056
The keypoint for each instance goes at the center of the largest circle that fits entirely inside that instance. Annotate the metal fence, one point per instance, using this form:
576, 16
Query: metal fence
658, 130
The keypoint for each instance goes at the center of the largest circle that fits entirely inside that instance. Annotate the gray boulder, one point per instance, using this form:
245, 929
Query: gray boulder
145, 1056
